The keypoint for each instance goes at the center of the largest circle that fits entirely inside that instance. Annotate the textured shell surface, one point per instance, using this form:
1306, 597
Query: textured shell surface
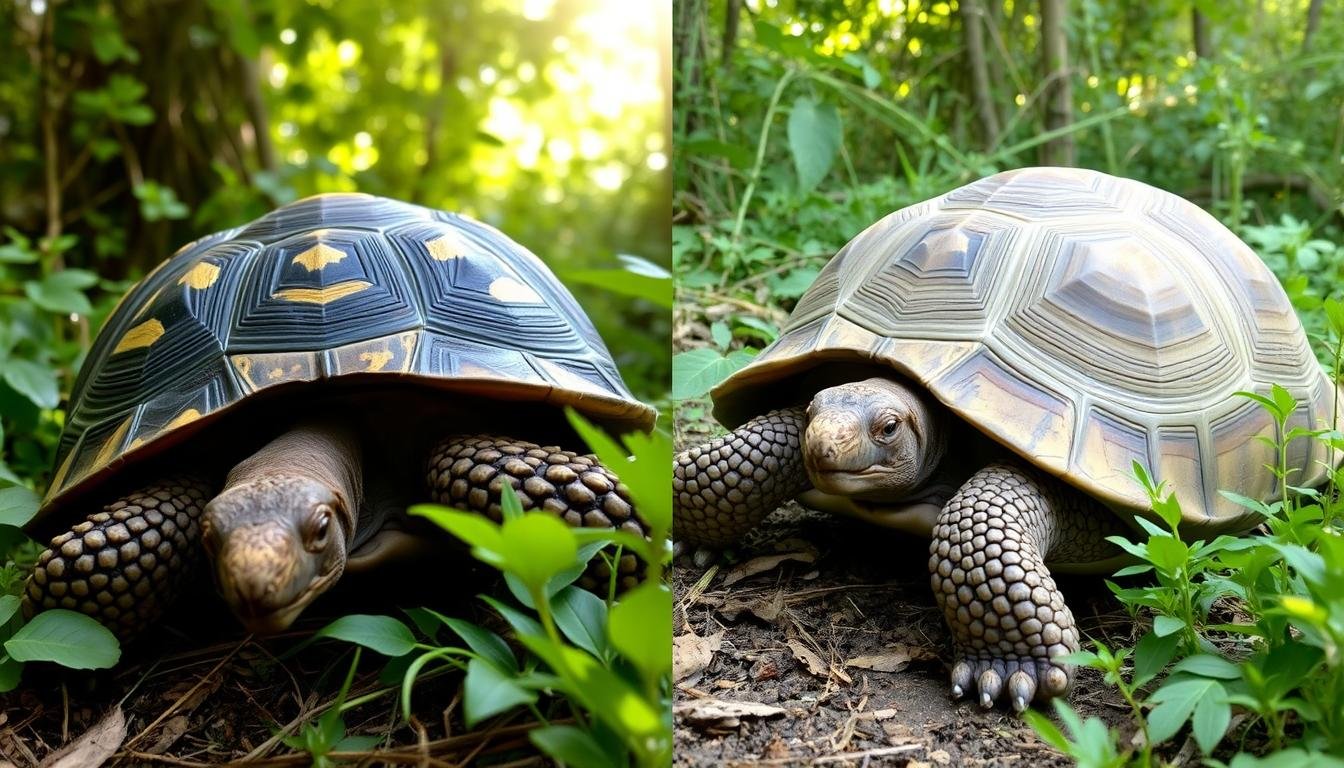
331, 286
1084, 321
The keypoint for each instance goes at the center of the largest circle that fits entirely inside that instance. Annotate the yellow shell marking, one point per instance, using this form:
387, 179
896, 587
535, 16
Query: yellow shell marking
324, 295
376, 360
182, 419
110, 446
508, 290
141, 335
201, 276
446, 247
319, 256
275, 373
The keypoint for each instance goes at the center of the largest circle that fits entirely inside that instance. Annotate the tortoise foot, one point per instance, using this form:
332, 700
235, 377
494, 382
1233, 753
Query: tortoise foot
1019, 681
1009, 621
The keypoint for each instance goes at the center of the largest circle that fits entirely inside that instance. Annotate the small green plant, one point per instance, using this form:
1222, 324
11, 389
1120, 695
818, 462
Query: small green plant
608, 660
319, 739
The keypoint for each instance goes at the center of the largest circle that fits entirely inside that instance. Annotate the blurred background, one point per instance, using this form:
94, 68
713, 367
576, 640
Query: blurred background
129, 128
800, 122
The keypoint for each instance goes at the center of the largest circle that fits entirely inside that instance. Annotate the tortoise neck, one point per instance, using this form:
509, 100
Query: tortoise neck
322, 451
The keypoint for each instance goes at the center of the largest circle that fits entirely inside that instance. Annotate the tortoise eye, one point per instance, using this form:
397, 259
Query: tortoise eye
319, 524
889, 428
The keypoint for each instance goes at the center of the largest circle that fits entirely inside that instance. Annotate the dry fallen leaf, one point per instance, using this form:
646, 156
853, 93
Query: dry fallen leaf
765, 563
764, 608
692, 653
892, 659
721, 713
809, 659
94, 747
168, 734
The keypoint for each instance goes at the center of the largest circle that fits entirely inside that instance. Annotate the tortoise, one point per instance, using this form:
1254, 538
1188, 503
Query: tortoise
272, 396
985, 368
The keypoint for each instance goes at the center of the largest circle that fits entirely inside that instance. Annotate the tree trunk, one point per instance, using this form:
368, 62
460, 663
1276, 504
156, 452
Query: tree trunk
1059, 93
1199, 29
1313, 21
732, 13
972, 19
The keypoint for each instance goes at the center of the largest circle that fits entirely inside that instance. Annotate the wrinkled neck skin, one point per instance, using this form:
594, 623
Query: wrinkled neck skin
875, 440
279, 533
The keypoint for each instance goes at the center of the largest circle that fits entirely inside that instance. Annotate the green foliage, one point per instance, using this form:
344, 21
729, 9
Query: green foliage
609, 660
319, 739
1287, 673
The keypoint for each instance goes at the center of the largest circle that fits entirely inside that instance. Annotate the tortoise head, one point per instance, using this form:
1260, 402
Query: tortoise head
276, 543
874, 439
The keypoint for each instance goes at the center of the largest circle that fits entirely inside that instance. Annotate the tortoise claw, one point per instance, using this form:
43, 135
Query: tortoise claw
1021, 689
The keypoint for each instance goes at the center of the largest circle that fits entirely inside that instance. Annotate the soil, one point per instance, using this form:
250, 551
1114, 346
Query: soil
198, 691
797, 648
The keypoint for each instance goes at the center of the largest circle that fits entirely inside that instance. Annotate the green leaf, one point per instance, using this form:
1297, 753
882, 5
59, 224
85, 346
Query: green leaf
34, 381
485, 643
1152, 654
9, 606
480, 533
521, 622
1167, 625
1208, 665
487, 692
67, 638
1048, 731
1175, 701
582, 617
61, 293
815, 136
573, 746
644, 465
640, 278
720, 333
696, 371
17, 506
10, 672
1212, 715
382, 634
640, 625
793, 284
537, 546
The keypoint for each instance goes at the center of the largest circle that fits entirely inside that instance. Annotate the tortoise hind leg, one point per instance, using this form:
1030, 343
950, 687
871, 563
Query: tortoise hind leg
124, 565
469, 471
1009, 621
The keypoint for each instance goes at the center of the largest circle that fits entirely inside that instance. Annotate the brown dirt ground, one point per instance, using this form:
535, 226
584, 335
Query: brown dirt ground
197, 691
783, 637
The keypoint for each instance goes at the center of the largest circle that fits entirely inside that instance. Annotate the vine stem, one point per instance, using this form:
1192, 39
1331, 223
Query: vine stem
760, 153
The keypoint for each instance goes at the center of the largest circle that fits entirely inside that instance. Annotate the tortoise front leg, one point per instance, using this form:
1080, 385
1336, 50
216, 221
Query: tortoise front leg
124, 565
469, 471
1009, 621
721, 490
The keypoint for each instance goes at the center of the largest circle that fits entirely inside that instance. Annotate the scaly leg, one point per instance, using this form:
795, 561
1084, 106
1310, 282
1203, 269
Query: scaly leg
124, 565
1008, 619
468, 472
723, 489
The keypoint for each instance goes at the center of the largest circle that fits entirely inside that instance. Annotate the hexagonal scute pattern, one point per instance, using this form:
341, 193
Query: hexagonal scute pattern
325, 287
1085, 321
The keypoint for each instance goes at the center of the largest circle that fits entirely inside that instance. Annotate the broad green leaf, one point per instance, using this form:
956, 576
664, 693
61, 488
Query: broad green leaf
1175, 701
696, 371
521, 622
67, 638
1210, 719
640, 625
10, 672
487, 692
815, 136
793, 284
536, 547
34, 381
573, 746
382, 634
1152, 654
720, 333
644, 465
17, 505
480, 533
582, 617
1208, 665
484, 642
9, 606
1167, 625
61, 295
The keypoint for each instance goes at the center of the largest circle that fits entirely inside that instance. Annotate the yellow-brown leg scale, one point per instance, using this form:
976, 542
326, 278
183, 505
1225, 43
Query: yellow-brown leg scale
469, 472
124, 565
721, 490
1009, 621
